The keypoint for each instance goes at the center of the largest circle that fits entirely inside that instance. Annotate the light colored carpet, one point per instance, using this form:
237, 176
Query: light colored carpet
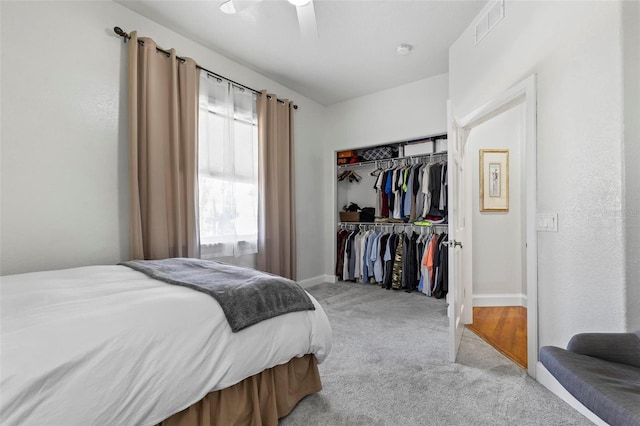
388, 366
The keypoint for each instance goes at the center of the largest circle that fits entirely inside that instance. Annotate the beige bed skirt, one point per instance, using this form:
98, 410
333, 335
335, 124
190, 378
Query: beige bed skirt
258, 400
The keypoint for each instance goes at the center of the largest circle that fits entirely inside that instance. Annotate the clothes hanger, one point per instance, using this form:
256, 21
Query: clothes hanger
378, 169
350, 175
353, 176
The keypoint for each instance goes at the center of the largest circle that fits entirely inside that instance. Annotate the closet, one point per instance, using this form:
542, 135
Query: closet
392, 206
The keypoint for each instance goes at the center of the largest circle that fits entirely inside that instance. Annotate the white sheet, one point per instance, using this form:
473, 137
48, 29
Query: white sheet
107, 345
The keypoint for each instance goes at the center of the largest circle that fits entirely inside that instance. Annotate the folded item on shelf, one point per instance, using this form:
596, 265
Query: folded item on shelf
379, 153
388, 220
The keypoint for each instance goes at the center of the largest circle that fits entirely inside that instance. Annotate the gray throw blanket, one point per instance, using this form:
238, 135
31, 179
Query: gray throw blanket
246, 296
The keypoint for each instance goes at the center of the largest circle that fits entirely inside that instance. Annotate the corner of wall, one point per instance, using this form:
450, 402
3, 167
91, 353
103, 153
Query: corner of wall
631, 160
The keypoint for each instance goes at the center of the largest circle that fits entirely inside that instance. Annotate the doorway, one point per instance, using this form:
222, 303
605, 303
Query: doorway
461, 233
499, 292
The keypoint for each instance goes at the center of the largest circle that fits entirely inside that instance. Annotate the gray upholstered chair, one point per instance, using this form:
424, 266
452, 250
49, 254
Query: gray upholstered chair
602, 371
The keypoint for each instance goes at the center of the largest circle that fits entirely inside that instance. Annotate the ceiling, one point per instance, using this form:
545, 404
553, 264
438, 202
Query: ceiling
354, 54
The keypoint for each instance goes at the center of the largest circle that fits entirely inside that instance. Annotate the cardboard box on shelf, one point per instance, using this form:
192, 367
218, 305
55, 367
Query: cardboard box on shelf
349, 216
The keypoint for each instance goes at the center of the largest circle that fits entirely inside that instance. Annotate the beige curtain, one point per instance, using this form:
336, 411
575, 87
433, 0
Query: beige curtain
163, 125
277, 216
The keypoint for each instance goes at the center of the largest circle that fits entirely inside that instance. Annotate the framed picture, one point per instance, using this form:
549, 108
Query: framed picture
494, 180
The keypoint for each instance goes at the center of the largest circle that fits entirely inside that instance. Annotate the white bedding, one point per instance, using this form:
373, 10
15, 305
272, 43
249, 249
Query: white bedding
107, 345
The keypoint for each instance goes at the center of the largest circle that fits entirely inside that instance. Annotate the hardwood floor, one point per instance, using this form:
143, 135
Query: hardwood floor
504, 328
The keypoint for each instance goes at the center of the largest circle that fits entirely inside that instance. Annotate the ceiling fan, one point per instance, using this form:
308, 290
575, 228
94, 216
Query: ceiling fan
306, 18
304, 9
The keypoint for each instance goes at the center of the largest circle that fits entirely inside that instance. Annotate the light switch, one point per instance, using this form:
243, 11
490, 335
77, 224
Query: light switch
547, 222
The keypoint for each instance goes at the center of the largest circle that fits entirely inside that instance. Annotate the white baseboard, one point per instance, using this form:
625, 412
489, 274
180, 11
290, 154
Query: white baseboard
500, 300
547, 380
317, 280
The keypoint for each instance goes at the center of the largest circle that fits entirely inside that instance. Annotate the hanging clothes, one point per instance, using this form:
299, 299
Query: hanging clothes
413, 192
394, 260
442, 283
342, 239
411, 275
378, 267
389, 258
396, 282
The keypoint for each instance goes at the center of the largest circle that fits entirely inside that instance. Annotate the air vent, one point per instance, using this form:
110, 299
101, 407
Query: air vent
491, 15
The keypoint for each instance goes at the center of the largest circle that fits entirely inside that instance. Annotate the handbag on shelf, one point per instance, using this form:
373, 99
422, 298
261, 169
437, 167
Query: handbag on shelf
368, 214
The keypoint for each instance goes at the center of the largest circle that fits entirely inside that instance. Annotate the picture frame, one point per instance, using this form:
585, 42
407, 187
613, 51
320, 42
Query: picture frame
494, 180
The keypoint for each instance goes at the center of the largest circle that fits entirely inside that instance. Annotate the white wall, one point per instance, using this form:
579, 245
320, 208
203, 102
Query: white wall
362, 192
497, 236
402, 113
64, 135
574, 48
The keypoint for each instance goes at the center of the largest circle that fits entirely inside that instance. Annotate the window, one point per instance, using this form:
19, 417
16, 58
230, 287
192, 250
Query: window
228, 169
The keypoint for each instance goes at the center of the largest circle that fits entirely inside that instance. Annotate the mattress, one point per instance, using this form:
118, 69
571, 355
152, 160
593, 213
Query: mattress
108, 345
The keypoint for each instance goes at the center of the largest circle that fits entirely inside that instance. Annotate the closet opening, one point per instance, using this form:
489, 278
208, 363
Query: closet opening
498, 235
392, 229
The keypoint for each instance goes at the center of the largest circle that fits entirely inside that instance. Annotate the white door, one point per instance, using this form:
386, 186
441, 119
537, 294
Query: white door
457, 210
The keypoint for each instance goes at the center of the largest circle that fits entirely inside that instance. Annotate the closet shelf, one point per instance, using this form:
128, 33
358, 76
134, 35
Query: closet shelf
375, 162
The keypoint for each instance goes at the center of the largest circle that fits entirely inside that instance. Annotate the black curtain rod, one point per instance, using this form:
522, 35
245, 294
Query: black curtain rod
125, 36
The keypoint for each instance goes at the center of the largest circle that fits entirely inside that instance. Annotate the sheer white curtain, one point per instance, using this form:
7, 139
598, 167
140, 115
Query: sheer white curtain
227, 169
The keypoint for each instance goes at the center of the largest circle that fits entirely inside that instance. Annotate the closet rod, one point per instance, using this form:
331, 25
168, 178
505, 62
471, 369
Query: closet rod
390, 224
125, 36
428, 138
352, 226
431, 154
366, 163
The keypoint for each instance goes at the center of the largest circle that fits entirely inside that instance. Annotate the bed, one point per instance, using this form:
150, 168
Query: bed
110, 345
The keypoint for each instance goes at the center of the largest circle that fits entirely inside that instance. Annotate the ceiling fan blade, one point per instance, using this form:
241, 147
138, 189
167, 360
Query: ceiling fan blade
307, 21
